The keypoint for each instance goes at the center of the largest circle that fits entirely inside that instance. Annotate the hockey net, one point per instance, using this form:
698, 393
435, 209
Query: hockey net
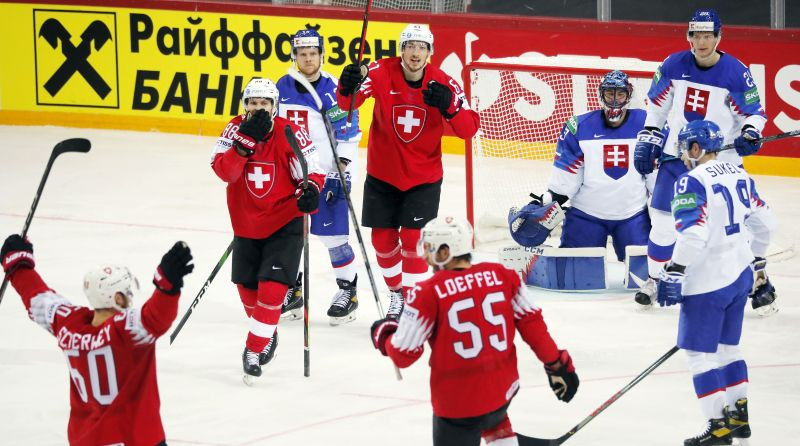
405, 5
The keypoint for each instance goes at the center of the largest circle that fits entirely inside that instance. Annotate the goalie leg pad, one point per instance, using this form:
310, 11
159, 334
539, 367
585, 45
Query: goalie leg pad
635, 266
560, 269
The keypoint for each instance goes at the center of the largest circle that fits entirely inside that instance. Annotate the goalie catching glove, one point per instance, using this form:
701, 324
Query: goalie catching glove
531, 225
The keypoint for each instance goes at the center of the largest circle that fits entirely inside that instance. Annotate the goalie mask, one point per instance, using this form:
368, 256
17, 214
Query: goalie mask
260, 87
614, 94
531, 225
453, 232
103, 283
705, 133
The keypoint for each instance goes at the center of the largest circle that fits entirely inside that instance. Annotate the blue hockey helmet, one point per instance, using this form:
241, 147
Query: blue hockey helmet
705, 133
531, 225
614, 81
705, 19
307, 38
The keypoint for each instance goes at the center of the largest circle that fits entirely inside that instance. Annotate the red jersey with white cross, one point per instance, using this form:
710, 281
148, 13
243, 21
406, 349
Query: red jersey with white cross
113, 389
470, 318
261, 188
405, 137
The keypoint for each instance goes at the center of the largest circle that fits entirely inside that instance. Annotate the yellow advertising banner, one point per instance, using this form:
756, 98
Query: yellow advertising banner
155, 69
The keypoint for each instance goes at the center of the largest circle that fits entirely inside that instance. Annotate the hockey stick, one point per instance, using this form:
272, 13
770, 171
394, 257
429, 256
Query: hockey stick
353, 217
304, 167
360, 58
80, 145
531, 441
200, 293
731, 146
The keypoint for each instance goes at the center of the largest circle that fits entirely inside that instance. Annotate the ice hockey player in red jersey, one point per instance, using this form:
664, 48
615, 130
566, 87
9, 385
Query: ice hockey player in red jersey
469, 314
266, 202
413, 101
110, 348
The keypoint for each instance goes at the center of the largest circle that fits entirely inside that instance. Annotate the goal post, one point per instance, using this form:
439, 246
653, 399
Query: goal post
523, 103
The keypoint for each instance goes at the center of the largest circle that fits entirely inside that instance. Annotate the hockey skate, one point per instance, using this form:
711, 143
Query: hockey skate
738, 420
646, 296
344, 303
269, 351
395, 304
252, 368
292, 308
763, 295
716, 433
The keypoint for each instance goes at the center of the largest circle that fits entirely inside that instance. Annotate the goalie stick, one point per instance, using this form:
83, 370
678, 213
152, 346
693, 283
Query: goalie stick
79, 145
731, 146
200, 293
353, 217
304, 167
531, 441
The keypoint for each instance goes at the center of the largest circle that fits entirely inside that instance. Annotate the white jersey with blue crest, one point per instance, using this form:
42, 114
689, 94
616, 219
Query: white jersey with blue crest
594, 166
724, 93
715, 206
298, 106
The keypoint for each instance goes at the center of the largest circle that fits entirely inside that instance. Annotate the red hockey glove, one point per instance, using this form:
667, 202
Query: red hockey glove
174, 265
562, 377
16, 253
381, 329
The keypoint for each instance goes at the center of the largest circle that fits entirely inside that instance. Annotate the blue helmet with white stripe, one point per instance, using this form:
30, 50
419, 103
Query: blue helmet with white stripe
307, 38
705, 133
707, 20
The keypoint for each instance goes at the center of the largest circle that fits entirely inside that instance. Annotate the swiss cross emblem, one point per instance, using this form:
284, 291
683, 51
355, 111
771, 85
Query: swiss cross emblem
408, 121
615, 160
696, 104
260, 177
298, 117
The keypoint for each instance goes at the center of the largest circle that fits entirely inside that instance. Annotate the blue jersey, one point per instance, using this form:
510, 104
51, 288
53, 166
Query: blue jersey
300, 108
593, 166
724, 93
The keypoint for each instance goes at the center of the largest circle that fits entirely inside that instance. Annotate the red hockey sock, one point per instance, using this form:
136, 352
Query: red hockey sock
266, 313
414, 267
499, 432
386, 242
248, 298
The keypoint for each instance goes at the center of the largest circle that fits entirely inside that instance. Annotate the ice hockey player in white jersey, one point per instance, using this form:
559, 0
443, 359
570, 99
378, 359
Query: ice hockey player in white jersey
331, 223
699, 83
711, 275
593, 169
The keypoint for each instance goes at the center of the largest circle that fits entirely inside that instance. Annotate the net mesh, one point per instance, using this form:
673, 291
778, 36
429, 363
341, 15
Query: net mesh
418, 5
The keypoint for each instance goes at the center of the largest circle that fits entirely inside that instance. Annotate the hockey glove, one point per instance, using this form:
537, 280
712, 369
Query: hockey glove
439, 96
763, 293
748, 142
174, 265
332, 189
352, 76
670, 285
16, 253
308, 198
381, 330
252, 131
649, 144
562, 377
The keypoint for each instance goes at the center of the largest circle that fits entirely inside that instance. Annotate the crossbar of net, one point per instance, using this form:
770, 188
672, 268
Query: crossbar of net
404, 5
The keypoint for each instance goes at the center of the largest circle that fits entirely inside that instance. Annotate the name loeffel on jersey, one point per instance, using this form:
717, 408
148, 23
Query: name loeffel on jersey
466, 282
68, 340
722, 169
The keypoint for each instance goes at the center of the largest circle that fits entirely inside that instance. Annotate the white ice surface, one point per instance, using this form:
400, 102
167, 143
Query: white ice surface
135, 194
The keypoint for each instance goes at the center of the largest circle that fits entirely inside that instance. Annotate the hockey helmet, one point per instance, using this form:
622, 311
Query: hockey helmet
416, 32
705, 133
531, 225
307, 38
261, 87
102, 284
614, 81
705, 20
454, 232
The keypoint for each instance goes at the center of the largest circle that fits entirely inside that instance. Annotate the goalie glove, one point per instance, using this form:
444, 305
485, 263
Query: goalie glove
531, 225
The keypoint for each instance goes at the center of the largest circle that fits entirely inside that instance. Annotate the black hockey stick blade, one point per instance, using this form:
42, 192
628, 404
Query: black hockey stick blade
767, 139
532, 441
297, 153
81, 145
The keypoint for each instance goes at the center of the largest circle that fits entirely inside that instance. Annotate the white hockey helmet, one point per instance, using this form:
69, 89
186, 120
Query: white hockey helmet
416, 32
101, 284
261, 87
454, 232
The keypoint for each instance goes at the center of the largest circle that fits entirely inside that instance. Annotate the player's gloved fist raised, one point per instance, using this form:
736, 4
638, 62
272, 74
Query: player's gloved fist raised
251, 131
670, 285
748, 142
439, 96
352, 75
381, 329
649, 143
308, 198
174, 265
562, 377
16, 253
